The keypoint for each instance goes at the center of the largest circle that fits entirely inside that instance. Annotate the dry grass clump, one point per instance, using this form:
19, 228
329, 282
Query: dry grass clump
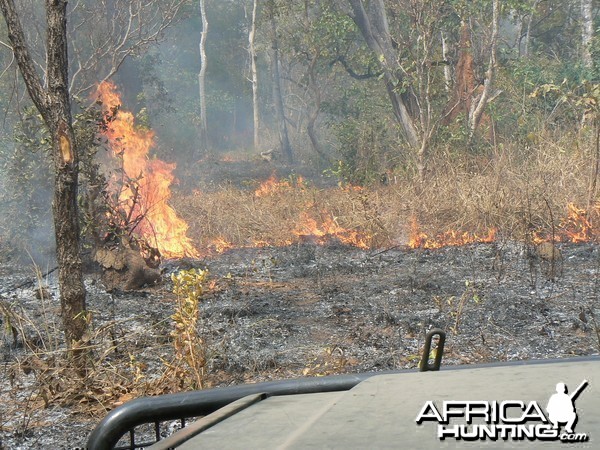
234, 217
519, 192
124, 361
514, 191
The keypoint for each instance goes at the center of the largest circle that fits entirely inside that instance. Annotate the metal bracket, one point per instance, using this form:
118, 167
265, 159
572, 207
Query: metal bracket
424, 365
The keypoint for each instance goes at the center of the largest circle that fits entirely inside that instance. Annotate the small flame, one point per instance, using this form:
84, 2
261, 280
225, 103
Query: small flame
274, 185
451, 238
577, 225
159, 224
220, 245
351, 188
329, 229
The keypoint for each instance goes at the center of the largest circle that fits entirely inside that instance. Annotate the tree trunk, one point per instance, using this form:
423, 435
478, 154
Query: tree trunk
374, 29
284, 142
464, 86
202, 80
447, 68
528, 33
254, 75
587, 32
54, 106
478, 107
314, 113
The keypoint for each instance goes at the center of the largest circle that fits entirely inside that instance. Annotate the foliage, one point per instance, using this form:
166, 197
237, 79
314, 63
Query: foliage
583, 97
454, 307
26, 190
190, 354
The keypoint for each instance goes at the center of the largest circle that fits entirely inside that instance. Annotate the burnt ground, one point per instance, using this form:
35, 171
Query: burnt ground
313, 310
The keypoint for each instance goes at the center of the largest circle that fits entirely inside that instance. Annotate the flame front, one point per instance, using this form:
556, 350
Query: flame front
274, 185
451, 238
146, 199
328, 229
576, 227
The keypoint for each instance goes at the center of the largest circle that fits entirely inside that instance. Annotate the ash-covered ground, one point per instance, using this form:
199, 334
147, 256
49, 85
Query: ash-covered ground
308, 310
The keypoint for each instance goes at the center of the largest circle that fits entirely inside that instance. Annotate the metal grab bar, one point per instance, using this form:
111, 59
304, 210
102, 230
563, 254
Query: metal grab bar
154, 410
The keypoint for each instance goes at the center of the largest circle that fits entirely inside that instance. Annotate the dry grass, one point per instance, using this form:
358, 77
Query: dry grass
516, 191
117, 369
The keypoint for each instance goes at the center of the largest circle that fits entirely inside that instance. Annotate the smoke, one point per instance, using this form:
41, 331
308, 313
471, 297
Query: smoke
26, 228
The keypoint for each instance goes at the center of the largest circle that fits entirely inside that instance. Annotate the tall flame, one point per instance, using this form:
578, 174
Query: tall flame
158, 222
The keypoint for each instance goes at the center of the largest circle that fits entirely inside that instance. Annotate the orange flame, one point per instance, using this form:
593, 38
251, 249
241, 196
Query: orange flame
220, 245
274, 185
328, 229
451, 238
159, 224
577, 225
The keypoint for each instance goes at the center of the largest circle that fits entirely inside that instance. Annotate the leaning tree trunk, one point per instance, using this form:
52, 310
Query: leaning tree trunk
478, 107
374, 28
54, 105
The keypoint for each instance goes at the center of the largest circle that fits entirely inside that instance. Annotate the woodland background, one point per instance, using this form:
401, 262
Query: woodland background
500, 98
314, 143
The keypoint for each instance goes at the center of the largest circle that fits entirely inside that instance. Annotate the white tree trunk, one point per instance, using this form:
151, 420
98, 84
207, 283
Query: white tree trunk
447, 68
478, 107
254, 75
201, 80
284, 141
587, 32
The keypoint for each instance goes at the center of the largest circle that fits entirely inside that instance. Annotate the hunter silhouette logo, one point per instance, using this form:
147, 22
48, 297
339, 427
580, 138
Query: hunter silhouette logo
508, 420
561, 406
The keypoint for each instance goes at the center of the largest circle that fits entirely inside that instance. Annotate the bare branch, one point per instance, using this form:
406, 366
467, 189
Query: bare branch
23, 57
104, 34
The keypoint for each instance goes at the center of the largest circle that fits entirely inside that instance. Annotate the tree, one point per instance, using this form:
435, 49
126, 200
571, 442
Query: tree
373, 25
528, 30
53, 103
408, 64
103, 34
587, 32
284, 141
254, 75
313, 35
202, 79
487, 95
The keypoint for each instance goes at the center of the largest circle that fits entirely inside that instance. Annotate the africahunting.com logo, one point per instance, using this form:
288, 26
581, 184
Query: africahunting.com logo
508, 420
